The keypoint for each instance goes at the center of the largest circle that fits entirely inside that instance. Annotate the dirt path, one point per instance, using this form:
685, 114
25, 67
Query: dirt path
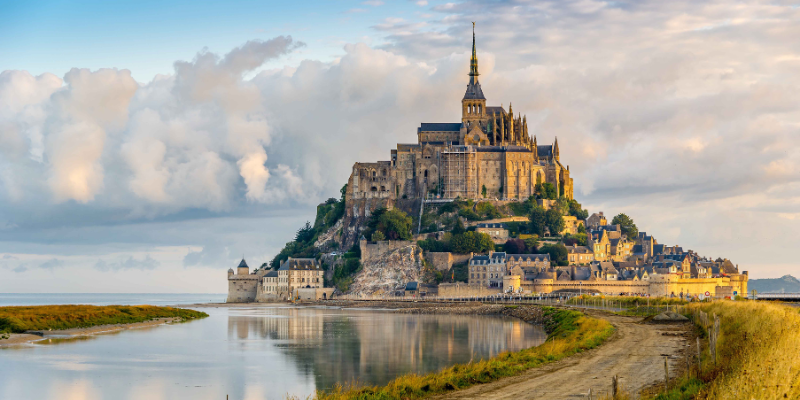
635, 353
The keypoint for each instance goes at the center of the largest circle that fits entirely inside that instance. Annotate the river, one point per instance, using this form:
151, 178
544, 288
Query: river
257, 352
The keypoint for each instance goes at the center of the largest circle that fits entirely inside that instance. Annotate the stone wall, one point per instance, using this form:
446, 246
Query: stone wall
242, 289
463, 289
370, 250
315, 293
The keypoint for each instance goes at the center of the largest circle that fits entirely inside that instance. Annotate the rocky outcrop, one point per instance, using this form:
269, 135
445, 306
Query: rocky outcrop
386, 272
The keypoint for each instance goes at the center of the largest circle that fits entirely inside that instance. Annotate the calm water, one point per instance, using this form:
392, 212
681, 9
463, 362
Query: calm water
104, 299
255, 353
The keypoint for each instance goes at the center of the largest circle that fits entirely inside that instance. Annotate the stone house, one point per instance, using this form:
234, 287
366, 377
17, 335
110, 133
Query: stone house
487, 270
579, 255
571, 224
596, 220
297, 273
497, 231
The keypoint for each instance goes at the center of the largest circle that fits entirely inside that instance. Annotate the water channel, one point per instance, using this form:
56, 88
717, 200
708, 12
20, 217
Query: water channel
255, 353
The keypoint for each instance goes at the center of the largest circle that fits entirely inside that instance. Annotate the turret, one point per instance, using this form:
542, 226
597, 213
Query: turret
555, 150
243, 269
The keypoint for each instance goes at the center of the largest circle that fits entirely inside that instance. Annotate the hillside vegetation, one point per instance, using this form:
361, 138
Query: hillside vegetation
21, 319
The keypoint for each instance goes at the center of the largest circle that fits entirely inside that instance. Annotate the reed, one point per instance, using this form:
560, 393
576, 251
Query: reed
569, 332
26, 318
758, 352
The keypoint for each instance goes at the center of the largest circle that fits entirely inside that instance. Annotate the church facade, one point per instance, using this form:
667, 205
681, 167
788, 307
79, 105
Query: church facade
488, 155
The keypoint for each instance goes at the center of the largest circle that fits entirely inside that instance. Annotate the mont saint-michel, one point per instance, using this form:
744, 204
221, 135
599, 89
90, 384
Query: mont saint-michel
475, 208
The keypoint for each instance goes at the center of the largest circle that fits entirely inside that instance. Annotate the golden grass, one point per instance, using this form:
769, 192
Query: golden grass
21, 319
570, 332
758, 352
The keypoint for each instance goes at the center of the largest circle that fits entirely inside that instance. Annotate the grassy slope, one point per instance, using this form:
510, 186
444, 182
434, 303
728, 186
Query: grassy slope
759, 352
21, 319
570, 332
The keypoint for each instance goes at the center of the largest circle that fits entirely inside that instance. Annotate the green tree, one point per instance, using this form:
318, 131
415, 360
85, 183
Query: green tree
378, 236
471, 242
626, 225
532, 244
394, 224
458, 228
304, 234
554, 221
558, 253
537, 220
483, 191
577, 211
581, 229
545, 191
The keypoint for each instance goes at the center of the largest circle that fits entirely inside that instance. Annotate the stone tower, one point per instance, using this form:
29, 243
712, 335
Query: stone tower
473, 105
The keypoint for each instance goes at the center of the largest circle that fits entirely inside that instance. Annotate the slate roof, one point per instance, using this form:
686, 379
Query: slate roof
533, 257
578, 250
299, 263
271, 274
440, 127
495, 109
243, 264
412, 286
474, 92
544, 150
658, 248
495, 225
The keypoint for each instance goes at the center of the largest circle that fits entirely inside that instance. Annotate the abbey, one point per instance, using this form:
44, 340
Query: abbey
489, 154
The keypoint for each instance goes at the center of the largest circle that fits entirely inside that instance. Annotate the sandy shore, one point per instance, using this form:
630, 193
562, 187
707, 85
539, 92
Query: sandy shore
26, 338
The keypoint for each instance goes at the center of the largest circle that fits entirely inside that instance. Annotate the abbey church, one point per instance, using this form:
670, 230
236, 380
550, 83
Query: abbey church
488, 155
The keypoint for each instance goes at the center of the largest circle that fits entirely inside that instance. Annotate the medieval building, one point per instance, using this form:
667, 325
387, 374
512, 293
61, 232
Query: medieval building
488, 155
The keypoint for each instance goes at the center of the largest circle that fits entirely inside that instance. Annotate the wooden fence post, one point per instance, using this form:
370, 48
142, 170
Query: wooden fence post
614, 386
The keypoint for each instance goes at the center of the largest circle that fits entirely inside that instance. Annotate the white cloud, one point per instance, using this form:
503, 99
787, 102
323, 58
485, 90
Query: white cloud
51, 264
147, 263
681, 114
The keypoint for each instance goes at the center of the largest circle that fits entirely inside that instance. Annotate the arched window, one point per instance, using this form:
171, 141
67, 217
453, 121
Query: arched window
425, 173
383, 188
383, 172
374, 189
374, 173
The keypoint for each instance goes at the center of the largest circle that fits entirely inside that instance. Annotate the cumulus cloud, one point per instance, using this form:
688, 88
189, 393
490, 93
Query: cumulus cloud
20, 269
681, 114
147, 263
51, 264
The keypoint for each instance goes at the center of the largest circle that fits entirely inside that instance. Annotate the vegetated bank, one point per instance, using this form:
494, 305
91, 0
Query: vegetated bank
569, 332
757, 354
31, 318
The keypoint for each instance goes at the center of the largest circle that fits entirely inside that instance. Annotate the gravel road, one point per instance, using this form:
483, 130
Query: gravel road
635, 353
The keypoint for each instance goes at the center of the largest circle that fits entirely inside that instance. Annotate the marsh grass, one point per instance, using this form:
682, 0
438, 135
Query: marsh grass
569, 331
758, 352
21, 319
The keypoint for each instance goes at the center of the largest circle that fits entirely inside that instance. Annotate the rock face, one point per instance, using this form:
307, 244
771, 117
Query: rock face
386, 272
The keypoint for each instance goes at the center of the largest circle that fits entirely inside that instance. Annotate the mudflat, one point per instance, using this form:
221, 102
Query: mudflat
22, 338
635, 353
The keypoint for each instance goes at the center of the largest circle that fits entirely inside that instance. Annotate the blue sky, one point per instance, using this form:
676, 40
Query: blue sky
147, 146
148, 36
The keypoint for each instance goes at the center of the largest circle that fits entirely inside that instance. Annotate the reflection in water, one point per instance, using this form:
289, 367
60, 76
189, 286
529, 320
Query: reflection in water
374, 347
255, 353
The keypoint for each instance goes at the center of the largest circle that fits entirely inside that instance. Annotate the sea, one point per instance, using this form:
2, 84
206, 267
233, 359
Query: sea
106, 299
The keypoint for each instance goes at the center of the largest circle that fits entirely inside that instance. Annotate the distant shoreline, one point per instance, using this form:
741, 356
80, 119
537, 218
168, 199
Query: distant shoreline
16, 339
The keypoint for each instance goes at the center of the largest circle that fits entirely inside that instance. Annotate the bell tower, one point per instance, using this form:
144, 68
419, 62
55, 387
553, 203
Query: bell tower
473, 105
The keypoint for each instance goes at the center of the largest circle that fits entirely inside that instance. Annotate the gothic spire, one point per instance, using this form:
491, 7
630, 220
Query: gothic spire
473, 62
474, 91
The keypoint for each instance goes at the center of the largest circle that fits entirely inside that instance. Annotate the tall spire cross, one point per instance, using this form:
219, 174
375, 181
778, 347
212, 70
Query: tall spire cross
473, 62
